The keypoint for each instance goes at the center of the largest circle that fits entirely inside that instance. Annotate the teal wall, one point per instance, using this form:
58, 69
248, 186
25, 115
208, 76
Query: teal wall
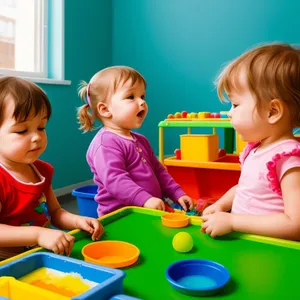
87, 49
180, 45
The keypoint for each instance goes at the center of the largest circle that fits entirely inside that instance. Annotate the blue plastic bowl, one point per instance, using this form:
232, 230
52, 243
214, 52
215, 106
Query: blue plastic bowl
197, 277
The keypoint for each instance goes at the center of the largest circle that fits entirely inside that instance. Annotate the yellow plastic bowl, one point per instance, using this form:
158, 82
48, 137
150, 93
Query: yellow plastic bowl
175, 220
113, 254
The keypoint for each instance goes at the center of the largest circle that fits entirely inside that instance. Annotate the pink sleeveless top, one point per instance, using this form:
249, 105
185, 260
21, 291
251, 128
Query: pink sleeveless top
258, 190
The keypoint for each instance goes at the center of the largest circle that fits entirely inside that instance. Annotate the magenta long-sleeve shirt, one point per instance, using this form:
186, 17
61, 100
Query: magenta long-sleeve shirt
127, 172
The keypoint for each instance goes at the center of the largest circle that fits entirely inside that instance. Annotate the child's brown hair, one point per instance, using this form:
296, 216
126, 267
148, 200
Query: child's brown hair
100, 88
271, 72
26, 96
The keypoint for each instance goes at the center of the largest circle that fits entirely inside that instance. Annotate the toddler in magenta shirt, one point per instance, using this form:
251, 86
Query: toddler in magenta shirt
125, 168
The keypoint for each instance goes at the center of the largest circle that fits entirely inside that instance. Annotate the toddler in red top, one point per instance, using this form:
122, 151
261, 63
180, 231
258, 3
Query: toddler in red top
27, 200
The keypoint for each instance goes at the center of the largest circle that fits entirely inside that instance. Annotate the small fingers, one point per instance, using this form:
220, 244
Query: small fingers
66, 245
209, 230
55, 249
71, 244
205, 218
213, 234
60, 248
183, 205
98, 229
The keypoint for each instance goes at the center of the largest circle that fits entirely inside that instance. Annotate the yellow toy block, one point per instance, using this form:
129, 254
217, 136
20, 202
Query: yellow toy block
13, 289
203, 115
199, 147
240, 144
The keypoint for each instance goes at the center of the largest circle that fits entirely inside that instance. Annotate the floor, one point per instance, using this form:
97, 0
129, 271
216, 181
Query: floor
68, 202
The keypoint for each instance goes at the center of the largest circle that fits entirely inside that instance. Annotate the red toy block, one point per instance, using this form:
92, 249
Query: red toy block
203, 202
168, 208
177, 152
215, 115
222, 152
201, 205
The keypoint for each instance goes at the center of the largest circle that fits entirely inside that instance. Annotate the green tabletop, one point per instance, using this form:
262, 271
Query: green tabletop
260, 268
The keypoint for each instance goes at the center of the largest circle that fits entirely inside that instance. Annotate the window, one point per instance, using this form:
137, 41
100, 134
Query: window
23, 38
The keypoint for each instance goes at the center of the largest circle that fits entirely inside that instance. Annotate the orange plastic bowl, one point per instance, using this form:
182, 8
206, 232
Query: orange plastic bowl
114, 254
175, 220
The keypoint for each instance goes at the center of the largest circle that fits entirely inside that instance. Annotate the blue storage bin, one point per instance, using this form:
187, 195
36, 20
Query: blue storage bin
110, 281
87, 206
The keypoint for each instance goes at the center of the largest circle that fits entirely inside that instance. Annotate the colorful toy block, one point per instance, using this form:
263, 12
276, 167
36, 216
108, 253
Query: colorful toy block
239, 143
177, 153
224, 114
199, 147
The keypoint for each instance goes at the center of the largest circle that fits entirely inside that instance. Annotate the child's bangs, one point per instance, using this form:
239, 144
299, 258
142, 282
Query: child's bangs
128, 75
31, 102
229, 81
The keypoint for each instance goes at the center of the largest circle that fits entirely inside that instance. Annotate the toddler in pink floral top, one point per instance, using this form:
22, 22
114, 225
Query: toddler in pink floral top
263, 86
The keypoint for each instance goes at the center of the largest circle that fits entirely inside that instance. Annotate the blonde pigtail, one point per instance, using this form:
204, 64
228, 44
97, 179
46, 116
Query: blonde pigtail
82, 90
85, 118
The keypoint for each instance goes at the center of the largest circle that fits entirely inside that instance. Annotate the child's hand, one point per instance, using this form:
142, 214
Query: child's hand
57, 241
155, 203
91, 225
186, 202
214, 208
216, 224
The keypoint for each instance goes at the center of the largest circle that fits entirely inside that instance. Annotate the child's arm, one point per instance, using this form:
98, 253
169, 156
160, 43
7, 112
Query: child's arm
110, 166
19, 236
285, 225
168, 185
66, 220
223, 204
281, 225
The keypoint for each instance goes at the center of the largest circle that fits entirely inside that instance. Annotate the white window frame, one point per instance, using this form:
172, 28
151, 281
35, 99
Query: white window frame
42, 77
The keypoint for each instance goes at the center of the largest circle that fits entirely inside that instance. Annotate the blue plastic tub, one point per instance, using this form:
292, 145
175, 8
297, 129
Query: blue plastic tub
85, 195
110, 281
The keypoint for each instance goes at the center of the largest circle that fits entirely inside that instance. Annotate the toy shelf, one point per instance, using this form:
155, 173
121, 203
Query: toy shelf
230, 163
207, 122
229, 133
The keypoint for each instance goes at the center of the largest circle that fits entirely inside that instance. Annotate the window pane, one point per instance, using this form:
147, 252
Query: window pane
21, 35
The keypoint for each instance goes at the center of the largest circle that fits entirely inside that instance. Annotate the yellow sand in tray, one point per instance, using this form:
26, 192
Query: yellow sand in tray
66, 284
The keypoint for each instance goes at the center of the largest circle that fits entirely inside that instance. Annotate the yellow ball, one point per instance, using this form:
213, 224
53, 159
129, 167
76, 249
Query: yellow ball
183, 242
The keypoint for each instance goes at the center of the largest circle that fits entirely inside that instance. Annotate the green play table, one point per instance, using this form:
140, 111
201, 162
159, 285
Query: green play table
260, 268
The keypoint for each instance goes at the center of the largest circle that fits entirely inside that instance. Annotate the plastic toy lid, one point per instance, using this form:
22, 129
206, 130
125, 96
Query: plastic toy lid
114, 254
175, 220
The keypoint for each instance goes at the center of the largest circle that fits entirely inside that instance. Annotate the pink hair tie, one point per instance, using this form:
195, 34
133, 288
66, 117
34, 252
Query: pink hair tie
88, 99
